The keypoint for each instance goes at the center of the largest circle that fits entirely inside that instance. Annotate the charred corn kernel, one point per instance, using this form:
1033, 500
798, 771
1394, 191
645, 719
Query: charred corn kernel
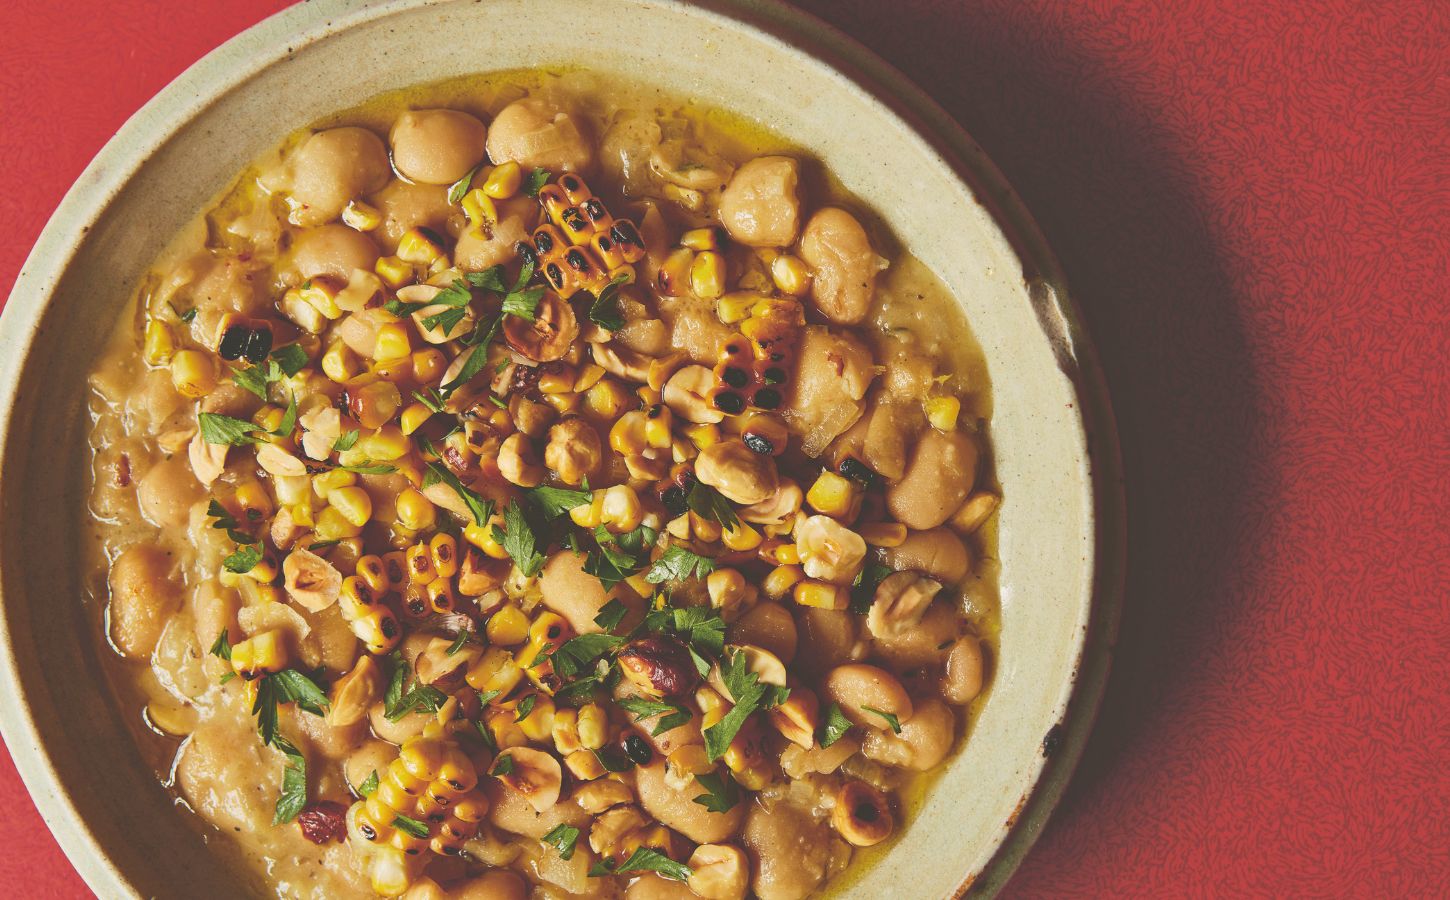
584, 765
558, 381
741, 537
159, 343
478, 207
942, 412
443, 549
684, 763
783, 555
820, 595
429, 365
566, 731
508, 627
395, 565
260, 654
701, 238
588, 377
624, 274
420, 564
394, 272
834, 495
292, 489
735, 307
392, 342
538, 725
707, 275
481, 536
781, 580
563, 403
324, 483
683, 451
506, 732
354, 503
360, 216
413, 417
419, 247
385, 445
884, 534
649, 396
193, 373
268, 417
332, 525
591, 514
494, 670
253, 499
658, 420
674, 274
712, 706
375, 404
372, 572
321, 294
503, 181
441, 596
790, 274
606, 398
302, 514
339, 363
620, 510
592, 726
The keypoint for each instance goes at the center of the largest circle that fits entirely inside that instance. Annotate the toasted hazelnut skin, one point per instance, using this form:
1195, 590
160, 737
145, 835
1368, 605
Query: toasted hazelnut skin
659, 665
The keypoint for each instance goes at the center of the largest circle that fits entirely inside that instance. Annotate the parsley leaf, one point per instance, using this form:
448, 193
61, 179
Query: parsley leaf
430, 399
254, 379
244, 560
562, 838
294, 687
222, 647
863, 589
679, 564
371, 468
264, 708
517, 537
643, 860
524, 304
463, 635
423, 697
610, 615
723, 792
672, 715
294, 784
834, 726
526, 706
604, 311
708, 503
578, 653
460, 187
890, 719
186, 316
504, 765
346, 441
291, 358
220, 429
480, 508
370, 785
289, 419
749, 694
410, 826
555, 502
536, 181
490, 279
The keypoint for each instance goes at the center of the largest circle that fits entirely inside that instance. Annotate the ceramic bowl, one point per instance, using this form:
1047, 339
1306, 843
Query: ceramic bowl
1055, 453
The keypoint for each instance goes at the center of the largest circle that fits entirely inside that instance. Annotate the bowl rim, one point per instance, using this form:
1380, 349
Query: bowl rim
257, 47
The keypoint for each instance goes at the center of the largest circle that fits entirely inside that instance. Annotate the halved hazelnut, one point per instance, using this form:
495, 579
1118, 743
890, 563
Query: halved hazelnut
313, 582
534, 774
862, 814
658, 665
549, 335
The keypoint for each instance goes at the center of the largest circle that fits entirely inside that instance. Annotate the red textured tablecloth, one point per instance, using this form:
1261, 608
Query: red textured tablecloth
1252, 200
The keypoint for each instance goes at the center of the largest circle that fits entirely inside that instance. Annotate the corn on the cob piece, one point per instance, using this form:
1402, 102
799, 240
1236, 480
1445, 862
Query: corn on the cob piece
753, 365
584, 245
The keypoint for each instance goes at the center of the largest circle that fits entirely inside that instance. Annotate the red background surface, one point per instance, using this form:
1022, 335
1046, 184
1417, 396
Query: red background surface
1252, 201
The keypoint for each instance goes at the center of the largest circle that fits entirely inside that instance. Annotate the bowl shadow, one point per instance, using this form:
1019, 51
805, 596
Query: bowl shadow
1119, 207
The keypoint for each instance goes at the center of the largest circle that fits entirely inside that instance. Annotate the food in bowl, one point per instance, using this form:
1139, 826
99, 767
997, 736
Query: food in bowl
538, 484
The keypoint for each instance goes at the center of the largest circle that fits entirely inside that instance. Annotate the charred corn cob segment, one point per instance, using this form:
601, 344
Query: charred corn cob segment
427, 799
364, 608
583, 245
753, 365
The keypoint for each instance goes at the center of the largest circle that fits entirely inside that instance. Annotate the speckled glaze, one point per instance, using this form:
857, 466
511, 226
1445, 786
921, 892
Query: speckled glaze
1056, 455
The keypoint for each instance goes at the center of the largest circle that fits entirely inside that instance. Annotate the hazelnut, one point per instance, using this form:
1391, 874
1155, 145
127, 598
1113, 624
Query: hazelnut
862, 815
658, 665
548, 336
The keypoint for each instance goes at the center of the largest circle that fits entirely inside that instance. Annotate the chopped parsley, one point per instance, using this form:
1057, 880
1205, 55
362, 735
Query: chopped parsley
222, 647
672, 715
460, 187
504, 765
834, 726
346, 441
536, 181
220, 429
679, 564
519, 540
554, 502
863, 590
371, 468
579, 653
244, 560
526, 706
368, 786
604, 311
721, 793
887, 717
294, 783
480, 508
409, 826
749, 695
707, 503
609, 616
562, 838
643, 860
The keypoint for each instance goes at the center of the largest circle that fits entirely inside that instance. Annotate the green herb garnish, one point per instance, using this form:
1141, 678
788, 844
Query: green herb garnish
679, 564
887, 717
834, 726
562, 838
721, 792
672, 715
220, 429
